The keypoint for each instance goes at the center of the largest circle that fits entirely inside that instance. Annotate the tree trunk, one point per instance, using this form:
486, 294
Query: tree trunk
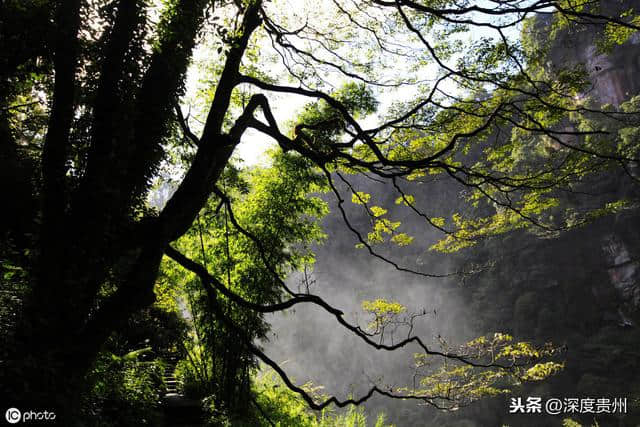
53, 353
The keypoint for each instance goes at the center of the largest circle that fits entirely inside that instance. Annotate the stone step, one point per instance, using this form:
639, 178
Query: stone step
170, 381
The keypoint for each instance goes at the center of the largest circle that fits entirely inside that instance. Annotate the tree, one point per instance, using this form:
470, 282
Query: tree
91, 113
274, 204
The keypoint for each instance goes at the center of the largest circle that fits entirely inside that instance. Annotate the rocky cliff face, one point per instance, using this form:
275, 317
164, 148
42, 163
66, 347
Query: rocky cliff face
581, 289
612, 72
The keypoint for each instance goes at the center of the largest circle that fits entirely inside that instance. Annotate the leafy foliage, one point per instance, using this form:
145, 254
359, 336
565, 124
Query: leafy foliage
126, 391
269, 205
275, 404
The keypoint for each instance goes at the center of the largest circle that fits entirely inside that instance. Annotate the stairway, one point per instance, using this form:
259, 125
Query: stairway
179, 410
170, 381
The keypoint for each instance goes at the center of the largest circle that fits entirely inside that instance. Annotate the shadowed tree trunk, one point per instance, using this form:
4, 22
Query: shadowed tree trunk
89, 235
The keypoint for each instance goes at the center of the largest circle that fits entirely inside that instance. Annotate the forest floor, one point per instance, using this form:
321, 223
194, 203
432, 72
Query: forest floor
182, 411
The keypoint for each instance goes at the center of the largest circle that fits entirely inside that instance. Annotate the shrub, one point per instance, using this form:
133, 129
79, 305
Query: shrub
125, 392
